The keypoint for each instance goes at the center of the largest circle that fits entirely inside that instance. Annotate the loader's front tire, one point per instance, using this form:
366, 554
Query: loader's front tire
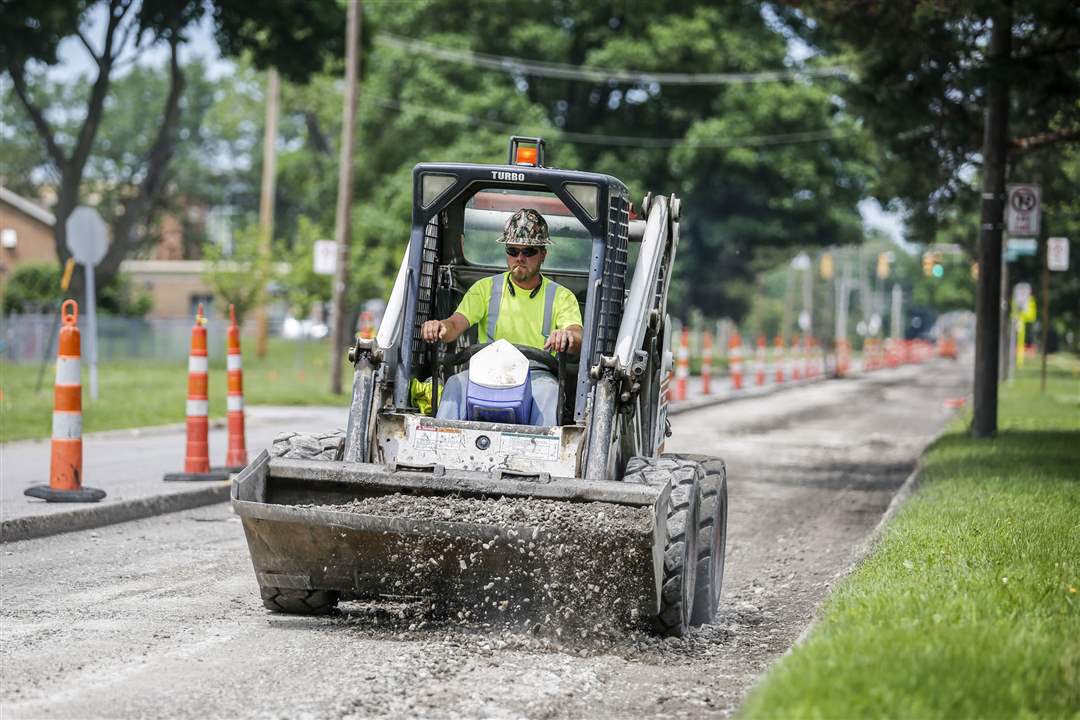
309, 446
299, 602
712, 536
681, 546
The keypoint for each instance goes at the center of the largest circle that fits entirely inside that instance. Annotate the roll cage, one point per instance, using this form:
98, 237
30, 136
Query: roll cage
435, 271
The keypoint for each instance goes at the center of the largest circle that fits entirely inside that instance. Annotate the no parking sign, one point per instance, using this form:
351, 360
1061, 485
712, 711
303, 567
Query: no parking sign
1022, 210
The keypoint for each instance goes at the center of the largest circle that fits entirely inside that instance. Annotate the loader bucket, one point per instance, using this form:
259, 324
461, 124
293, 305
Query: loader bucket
562, 552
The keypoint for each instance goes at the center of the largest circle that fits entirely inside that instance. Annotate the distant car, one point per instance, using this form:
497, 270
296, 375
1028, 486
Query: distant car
294, 329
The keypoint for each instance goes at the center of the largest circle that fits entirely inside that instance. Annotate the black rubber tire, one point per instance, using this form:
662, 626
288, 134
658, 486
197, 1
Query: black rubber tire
299, 602
712, 530
712, 536
309, 446
681, 545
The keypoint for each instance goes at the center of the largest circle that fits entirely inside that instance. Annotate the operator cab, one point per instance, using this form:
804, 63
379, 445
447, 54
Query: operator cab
459, 213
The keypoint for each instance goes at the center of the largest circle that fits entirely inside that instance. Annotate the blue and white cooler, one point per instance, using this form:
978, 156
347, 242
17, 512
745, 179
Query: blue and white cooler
499, 386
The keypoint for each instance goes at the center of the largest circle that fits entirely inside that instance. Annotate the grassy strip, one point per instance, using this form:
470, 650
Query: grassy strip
141, 393
970, 604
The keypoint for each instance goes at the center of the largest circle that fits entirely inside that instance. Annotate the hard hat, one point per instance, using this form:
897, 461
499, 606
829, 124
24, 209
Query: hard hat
526, 227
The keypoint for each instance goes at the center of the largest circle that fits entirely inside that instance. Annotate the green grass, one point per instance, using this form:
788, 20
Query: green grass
139, 393
969, 607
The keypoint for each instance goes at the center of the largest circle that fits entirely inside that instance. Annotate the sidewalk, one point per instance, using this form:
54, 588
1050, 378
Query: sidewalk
129, 465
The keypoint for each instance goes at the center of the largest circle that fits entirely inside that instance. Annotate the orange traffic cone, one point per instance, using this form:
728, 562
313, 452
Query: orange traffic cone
706, 361
365, 326
778, 359
843, 358
735, 361
759, 361
236, 456
197, 454
65, 471
682, 364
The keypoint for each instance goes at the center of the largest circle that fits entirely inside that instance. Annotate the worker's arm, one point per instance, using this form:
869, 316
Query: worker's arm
447, 330
567, 340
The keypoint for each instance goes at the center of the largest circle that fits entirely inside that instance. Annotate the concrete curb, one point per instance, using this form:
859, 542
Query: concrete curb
145, 431
89, 517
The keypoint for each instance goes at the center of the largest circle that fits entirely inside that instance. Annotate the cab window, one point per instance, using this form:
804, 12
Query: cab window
486, 214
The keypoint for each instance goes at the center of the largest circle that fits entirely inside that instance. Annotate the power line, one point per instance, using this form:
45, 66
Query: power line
619, 140
566, 71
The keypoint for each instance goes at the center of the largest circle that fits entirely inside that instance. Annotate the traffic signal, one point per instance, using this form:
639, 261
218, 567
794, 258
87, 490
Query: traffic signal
883, 265
826, 266
939, 270
929, 260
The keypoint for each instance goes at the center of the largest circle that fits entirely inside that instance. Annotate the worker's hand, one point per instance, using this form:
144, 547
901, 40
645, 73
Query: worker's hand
560, 341
433, 330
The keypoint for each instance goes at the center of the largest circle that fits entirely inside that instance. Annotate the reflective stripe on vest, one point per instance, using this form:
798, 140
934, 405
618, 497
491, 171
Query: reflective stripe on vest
495, 302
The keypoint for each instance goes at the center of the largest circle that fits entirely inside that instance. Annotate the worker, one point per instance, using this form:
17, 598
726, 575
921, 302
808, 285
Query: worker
520, 306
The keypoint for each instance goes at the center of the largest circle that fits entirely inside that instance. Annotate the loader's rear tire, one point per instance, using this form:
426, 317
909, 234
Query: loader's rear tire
299, 602
681, 546
309, 446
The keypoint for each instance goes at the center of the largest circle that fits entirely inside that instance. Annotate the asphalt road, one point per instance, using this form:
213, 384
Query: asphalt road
161, 617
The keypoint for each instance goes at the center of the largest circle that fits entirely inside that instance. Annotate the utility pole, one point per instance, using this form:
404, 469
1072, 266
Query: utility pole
988, 295
266, 199
339, 315
897, 312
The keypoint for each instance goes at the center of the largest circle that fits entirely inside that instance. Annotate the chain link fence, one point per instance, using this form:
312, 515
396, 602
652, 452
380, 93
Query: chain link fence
30, 338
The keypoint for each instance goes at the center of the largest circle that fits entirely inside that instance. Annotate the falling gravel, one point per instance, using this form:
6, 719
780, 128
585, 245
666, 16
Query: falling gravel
543, 567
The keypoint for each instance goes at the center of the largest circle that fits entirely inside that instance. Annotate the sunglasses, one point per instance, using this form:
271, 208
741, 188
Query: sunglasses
526, 251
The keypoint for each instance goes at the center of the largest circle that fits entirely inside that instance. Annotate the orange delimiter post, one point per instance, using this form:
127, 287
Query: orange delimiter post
197, 457
66, 453
236, 456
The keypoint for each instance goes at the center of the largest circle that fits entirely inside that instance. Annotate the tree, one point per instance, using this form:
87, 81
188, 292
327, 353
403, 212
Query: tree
987, 82
275, 33
239, 278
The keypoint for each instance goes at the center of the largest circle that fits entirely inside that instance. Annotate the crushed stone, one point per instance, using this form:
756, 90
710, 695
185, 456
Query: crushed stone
539, 567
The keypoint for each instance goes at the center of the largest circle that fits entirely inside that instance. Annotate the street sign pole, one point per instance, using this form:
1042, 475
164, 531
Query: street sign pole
1046, 312
87, 239
1056, 258
91, 325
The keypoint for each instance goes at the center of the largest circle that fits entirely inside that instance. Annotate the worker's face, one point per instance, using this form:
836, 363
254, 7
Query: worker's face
522, 266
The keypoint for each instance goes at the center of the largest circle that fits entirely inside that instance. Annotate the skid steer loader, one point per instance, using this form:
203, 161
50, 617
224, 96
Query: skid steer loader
403, 504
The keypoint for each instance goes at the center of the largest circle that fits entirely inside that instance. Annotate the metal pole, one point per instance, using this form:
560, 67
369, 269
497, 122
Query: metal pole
1046, 310
988, 300
91, 326
897, 324
266, 199
339, 311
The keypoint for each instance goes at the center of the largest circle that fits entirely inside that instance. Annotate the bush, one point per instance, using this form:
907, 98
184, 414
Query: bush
34, 287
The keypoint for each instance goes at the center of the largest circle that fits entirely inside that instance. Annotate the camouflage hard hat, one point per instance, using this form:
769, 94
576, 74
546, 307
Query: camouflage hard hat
526, 227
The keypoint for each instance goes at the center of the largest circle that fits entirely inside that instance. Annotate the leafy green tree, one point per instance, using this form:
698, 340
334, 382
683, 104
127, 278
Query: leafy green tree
296, 34
239, 278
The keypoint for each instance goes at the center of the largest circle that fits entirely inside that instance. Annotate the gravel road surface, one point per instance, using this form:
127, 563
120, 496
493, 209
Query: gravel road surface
162, 617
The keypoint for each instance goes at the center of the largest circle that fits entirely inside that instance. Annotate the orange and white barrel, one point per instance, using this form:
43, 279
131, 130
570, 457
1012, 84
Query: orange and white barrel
682, 364
778, 359
759, 361
735, 361
236, 455
706, 361
796, 362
